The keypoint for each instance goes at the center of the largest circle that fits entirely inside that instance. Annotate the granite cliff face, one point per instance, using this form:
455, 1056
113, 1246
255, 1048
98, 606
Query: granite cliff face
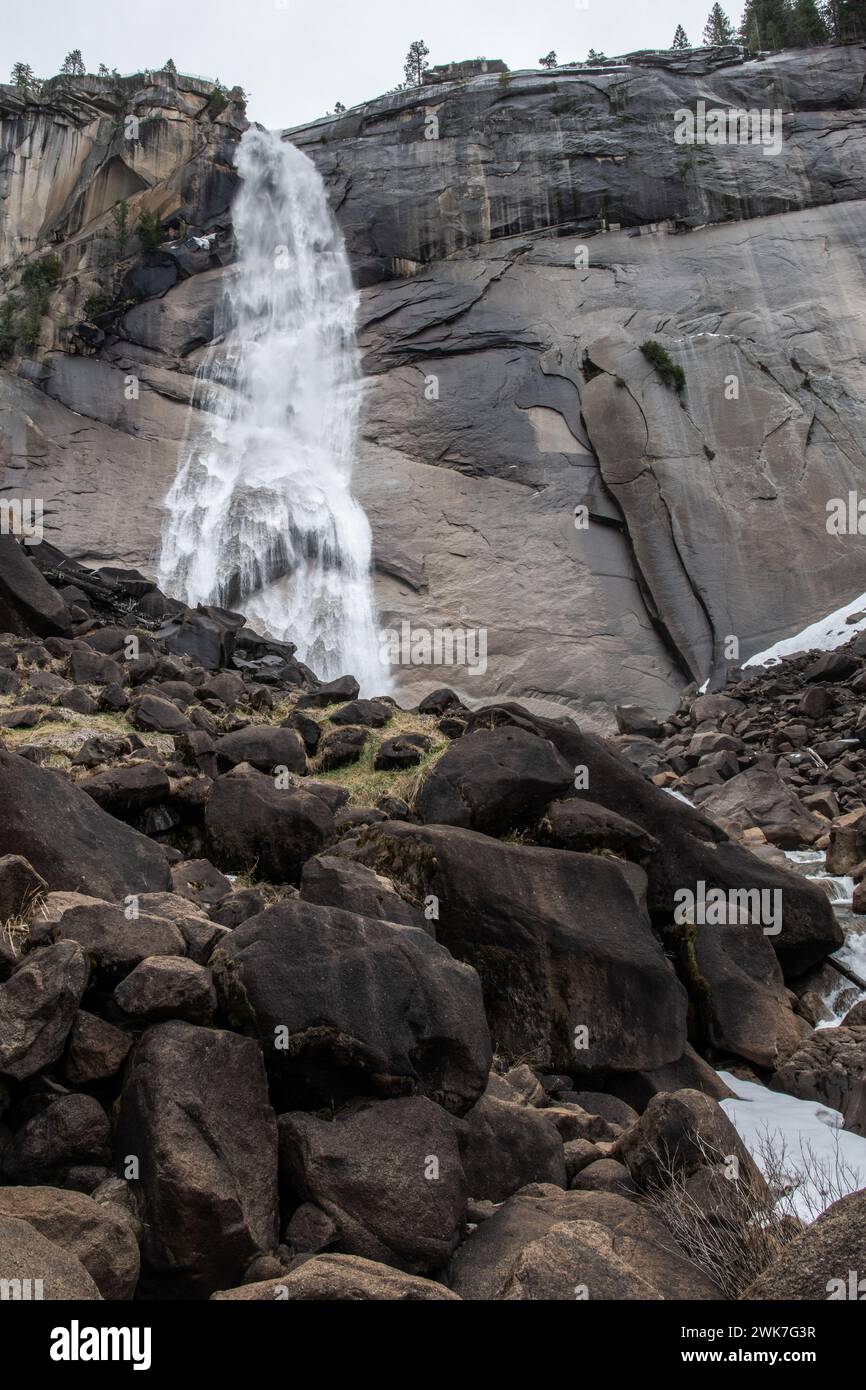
511, 267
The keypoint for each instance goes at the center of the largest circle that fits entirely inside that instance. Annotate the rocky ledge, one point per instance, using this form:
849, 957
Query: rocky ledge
312, 996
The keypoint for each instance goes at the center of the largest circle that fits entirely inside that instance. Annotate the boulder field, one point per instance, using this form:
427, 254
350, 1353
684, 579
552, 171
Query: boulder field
397, 1028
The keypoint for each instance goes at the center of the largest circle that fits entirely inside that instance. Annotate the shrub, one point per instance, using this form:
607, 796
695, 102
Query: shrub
43, 274
7, 329
96, 304
670, 373
217, 101
732, 1247
149, 230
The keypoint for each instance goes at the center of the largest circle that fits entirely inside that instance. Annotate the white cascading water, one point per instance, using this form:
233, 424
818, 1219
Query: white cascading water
261, 518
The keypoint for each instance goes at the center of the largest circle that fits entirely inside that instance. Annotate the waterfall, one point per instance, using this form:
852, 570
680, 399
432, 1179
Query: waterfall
261, 517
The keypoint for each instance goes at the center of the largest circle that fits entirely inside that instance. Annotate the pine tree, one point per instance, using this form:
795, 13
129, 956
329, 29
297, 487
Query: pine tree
766, 24
416, 62
103, 70
169, 66
149, 231
850, 19
73, 64
339, 108
23, 78
681, 38
594, 57
808, 28
718, 29
550, 61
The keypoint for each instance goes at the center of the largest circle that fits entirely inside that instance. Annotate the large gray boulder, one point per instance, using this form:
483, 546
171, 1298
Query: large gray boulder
572, 972
759, 797
28, 604
113, 941
388, 1175
71, 1132
32, 1266
263, 747
690, 848
252, 824
38, 1006
97, 1234
616, 1250
505, 1146
341, 1279
587, 828
164, 987
348, 1006
740, 1000
334, 882
679, 1133
819, 1263
195, 1114
69, 840
492, 781
829, 1066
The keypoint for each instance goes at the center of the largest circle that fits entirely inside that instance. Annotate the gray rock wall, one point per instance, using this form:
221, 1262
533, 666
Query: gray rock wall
501, 327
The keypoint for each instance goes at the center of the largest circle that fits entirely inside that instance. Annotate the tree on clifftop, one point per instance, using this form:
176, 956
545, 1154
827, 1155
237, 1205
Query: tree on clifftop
73, 64
416, 62
681, 38
766, 24
718, 29
808, 28
550, 61
24, 79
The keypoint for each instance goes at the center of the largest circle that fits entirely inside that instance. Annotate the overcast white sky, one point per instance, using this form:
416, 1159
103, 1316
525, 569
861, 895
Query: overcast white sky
296, 58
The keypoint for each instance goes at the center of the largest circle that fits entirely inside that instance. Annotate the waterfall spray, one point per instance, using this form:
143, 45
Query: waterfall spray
261, 517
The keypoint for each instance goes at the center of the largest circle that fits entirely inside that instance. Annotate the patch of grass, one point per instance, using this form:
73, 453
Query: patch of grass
14, 933
64, 736
364, 784
670, 373
269, 891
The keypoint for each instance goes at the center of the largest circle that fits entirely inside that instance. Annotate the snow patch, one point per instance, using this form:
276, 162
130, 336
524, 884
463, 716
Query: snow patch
803, 1126
825, 635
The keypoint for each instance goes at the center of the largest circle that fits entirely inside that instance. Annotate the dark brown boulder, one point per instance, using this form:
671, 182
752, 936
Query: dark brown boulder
195, 1113
68, 839
346, 1006
252, 824
492, 781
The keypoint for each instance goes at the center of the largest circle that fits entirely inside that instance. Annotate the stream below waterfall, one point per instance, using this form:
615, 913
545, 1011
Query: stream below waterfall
838, 993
